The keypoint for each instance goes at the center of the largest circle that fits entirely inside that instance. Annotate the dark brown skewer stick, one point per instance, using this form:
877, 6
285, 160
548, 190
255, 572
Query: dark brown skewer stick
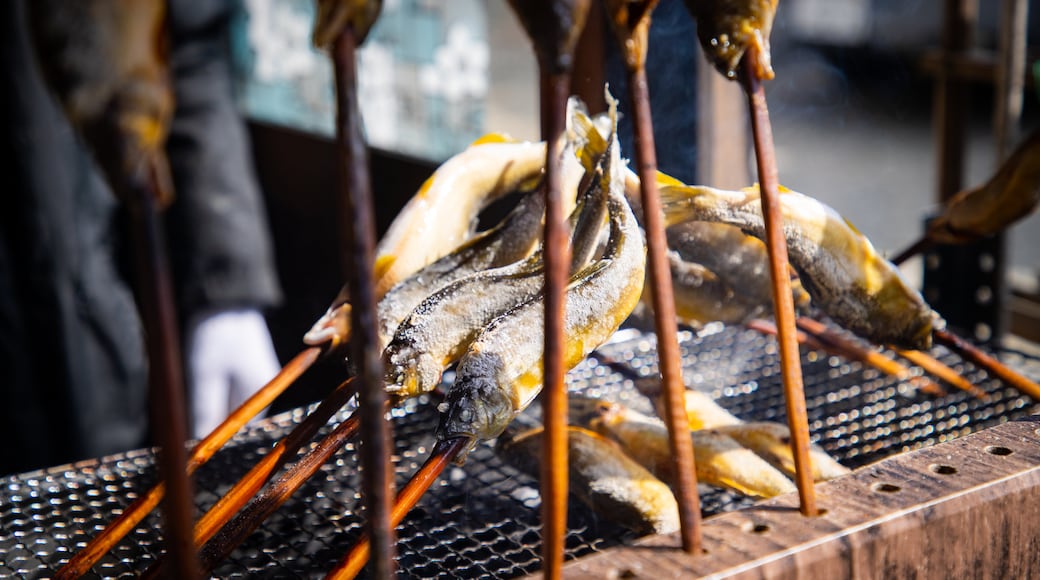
238, 529
921, 245
992, 365
165, 375
631, 23
358, 224
554, 91
250, 483
554, 27
790, 362
443, 453
261, 472
936, 367
867, 356
854, 352
203, 451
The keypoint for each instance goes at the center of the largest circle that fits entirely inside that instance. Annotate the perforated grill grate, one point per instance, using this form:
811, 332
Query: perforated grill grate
481, 520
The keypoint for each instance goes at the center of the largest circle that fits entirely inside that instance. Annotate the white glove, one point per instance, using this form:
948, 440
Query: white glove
230, 356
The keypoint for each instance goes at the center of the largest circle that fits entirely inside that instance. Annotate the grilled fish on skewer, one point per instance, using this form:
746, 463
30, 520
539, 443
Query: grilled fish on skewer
510, 241
1008, 196
630, 21
106, 60
501, 372
701, 297
772, 442
839, 267
727, 28
443, 215
740, 261
603, 477
554, 28
443, 325
719, 459
719, 274
769, 440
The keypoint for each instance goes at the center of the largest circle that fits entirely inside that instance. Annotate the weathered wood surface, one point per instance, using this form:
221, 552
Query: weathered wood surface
966, 508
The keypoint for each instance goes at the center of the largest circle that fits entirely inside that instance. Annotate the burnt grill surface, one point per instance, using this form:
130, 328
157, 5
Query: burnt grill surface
482, 519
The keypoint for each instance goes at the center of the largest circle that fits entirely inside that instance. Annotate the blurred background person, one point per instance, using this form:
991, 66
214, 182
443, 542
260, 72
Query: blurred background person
72, 366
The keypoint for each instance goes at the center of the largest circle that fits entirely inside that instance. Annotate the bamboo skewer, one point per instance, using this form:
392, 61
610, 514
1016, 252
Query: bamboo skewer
203, 451
877, 360
249, 484
554, 27
443, 454
937, 368
165, 375
358, 225
992, 365
790, 362
631, 24
232, 534
554, 90
854, 352
921, 245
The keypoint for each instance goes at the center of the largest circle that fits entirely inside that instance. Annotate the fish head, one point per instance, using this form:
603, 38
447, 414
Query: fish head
588, 412
475, 408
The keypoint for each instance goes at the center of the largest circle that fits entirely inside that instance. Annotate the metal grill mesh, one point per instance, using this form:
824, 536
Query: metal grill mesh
481, 520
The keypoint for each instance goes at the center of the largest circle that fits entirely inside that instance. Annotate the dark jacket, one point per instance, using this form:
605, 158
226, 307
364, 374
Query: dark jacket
72, 368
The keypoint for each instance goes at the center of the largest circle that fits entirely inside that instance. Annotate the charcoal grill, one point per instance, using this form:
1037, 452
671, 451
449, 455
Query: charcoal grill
481, 519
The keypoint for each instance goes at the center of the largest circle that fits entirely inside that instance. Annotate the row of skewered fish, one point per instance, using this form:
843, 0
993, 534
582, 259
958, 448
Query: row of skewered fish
472, 300
452, 296
477, 305
620, 460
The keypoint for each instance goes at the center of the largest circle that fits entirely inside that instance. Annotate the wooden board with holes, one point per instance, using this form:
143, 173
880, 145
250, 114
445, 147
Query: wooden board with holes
965, 508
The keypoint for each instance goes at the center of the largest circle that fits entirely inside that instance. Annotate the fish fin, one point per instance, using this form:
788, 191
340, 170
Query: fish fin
383, 265
665, 180
493, 138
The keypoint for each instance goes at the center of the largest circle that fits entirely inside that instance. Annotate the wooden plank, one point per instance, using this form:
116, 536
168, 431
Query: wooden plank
970, 507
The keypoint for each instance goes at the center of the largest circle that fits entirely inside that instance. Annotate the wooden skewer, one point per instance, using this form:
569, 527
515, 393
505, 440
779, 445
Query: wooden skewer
443, 454
790, 362
165, 378
358, 225
936, 367
554, 27
251, 482
992, 365
669, 357
921, 245
203, 451
554, 91
232, 534
852, 351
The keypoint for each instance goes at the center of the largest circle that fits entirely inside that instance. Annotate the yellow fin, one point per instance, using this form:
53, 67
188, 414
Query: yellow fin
383, 265
665, 180
493, 138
